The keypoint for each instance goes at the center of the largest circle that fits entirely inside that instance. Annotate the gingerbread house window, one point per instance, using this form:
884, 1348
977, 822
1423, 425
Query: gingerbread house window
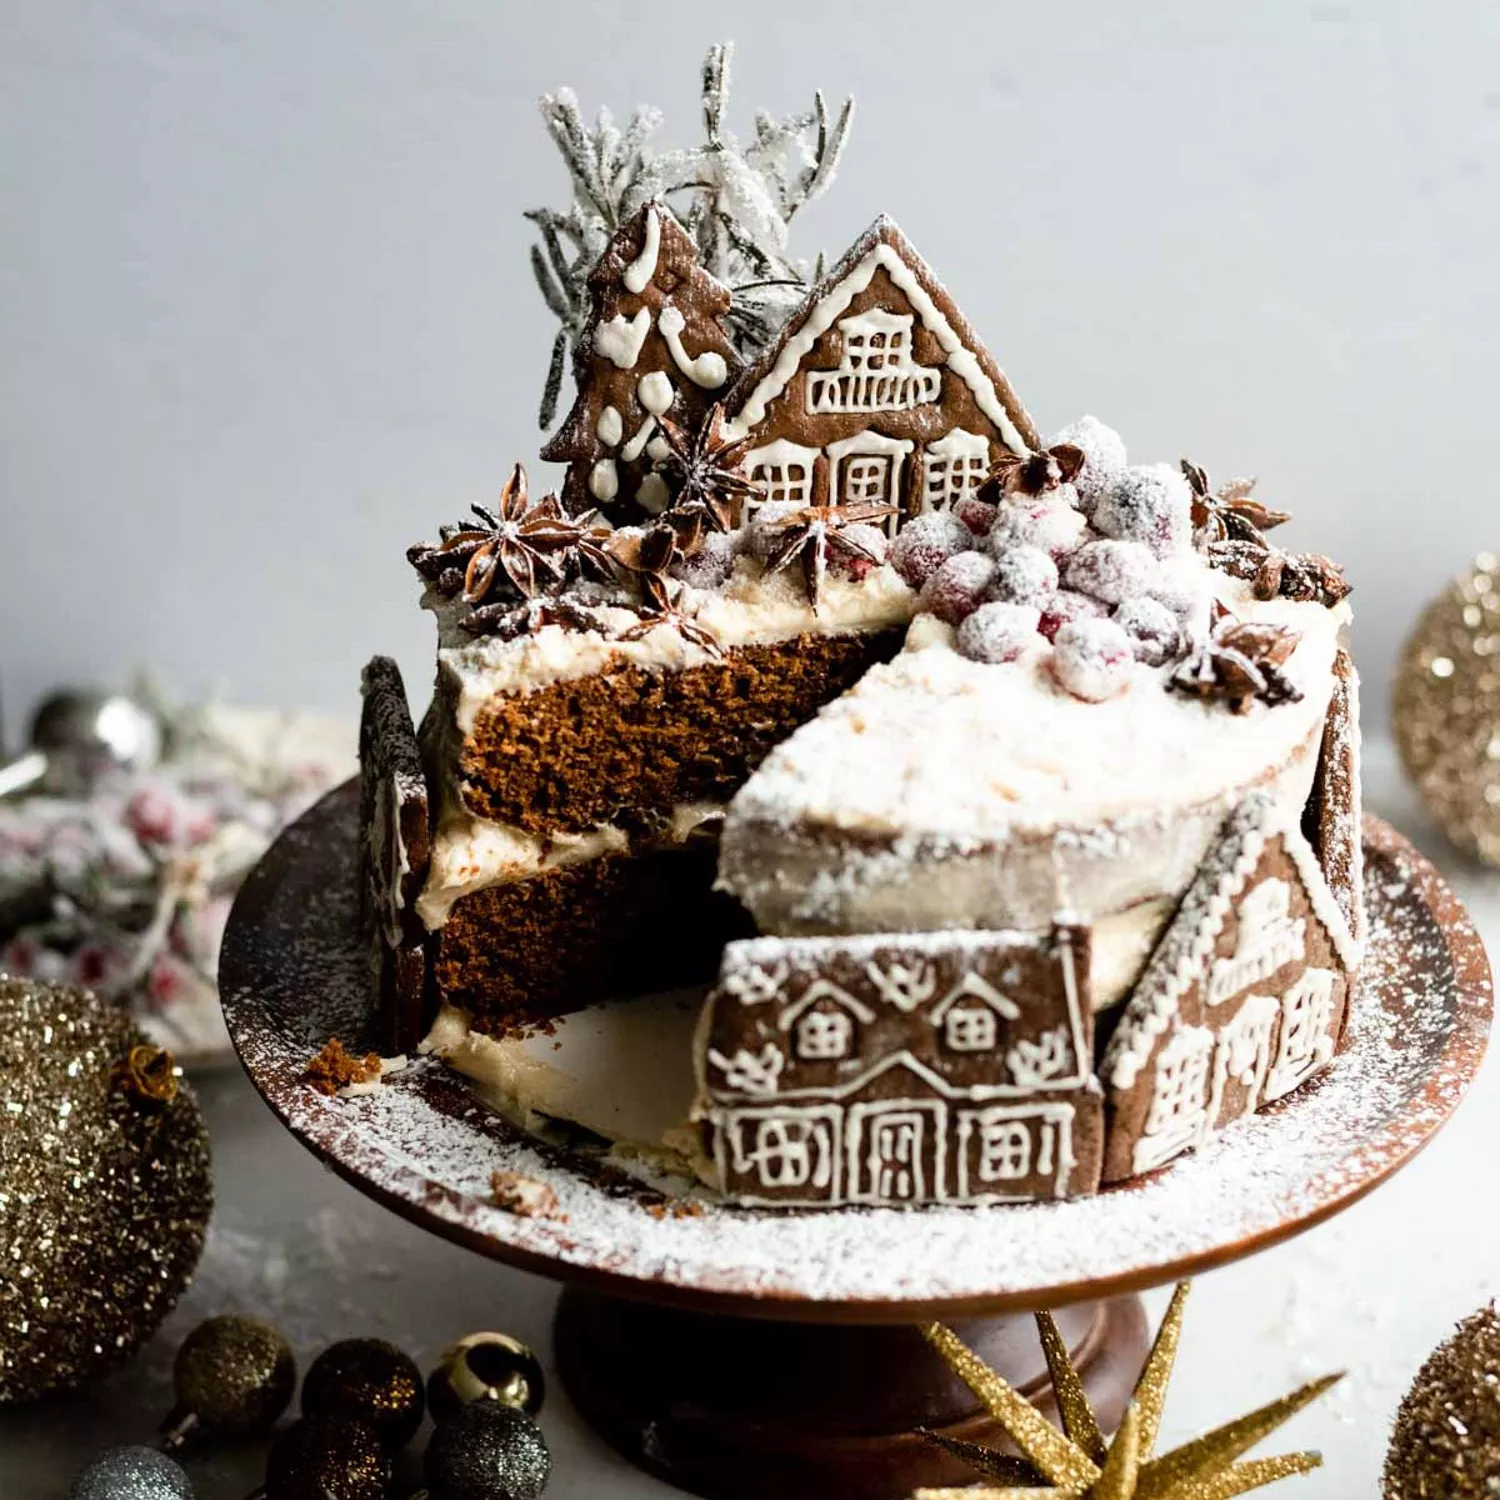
1004, 1150
866, 470
786, 1150
952, 467
969, 1028
783, 472
875, 372
1306, 1041
1178, 1115
824, 1034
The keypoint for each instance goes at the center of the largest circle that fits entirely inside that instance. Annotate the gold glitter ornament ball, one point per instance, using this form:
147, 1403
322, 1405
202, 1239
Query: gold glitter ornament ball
104, 1190
1446, 711
1446, 1441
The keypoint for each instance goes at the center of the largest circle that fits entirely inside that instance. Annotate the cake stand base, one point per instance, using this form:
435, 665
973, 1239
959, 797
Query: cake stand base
741, 1408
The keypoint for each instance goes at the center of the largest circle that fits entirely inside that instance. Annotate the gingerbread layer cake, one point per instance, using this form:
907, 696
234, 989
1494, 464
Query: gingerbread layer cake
1002, 793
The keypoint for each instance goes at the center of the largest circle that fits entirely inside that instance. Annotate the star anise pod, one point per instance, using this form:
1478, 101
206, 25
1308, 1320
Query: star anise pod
1031, 473
1228, 515
707, 469
532, 544
1303, 576
1241, 661
507, 622
810, 536
685, 626
649, 555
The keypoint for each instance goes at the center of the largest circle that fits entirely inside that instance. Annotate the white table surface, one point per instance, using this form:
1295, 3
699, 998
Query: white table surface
1371, 1292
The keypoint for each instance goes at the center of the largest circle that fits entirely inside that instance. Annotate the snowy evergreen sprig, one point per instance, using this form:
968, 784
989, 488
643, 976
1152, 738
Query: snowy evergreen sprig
736, 200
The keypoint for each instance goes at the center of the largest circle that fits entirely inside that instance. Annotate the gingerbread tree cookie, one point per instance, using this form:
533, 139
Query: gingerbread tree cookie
902, 1069
393, 860
656, 348
1243, 1001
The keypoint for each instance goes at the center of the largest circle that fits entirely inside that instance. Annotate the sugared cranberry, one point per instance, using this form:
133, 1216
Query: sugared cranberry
1064, 607
1092, 659
1150, 505
998, 632
958, 587
1155, 630
926, 543
1111, 571
1023, 575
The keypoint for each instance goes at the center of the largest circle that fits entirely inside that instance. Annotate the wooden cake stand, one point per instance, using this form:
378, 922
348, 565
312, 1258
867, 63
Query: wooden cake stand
743, 1354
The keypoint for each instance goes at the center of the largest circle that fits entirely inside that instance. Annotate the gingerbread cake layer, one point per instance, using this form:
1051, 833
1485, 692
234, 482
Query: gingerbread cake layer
607, 928
632, 743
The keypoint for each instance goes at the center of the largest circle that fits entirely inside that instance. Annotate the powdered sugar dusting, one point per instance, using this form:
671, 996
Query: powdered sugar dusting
293, 975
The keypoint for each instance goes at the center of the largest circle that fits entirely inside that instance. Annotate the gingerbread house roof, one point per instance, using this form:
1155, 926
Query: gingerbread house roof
1184, 954
882, 246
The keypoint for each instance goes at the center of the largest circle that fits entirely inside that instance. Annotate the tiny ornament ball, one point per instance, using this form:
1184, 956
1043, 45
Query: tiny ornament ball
234, 1376
105, 1188
486, 1367
367, 1380
321, 1458
1446, 708
487, 1452
1446, 1441
132, 1474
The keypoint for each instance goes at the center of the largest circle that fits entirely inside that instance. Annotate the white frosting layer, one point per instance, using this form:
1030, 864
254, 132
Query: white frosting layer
750, 609
942, 792
471, 853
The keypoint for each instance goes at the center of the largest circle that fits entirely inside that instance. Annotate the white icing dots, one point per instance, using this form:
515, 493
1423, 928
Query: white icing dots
639, 274
654, 392
620, 339
653, 494
708, 369
604, 480
610, 427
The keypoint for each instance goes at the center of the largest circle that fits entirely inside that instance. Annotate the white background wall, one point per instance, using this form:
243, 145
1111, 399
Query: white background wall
265, 315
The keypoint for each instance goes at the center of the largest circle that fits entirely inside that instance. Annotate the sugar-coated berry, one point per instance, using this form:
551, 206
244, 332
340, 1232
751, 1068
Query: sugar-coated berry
1091, 659
1103, 458
1153, 627
958, 588
978, 515
872, 538
710, 566
1111, 571
761, 536
1023, 575
1151, 505
1064, 607
1048, 522
999, 632
926, 543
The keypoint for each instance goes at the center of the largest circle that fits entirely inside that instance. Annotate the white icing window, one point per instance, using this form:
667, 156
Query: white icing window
1306, 1043
1269, 938
1004, 1150
866, 470
953, 466
895, 1157
785, 1151
1178, 1114
823, 1034
875, 370
783, 471
867, 480
969, 1028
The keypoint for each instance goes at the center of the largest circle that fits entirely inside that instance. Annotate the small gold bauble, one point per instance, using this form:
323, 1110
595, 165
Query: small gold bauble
1446, 709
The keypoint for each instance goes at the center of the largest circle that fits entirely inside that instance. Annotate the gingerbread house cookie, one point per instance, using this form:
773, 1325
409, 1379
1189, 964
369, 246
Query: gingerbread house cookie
877, 391
394, 857
1332, 822
1243, 1001
900, 1070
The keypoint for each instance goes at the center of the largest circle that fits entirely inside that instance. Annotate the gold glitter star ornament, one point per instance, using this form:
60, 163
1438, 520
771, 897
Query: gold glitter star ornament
1076, 1462
1446, 708
104, 1187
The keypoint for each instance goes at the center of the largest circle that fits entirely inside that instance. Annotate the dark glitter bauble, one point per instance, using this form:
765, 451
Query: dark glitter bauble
487, 1452
1446, 1441
320, 1458
104, 1196
486, 1367
131, 1474
367, 1380
234, 1376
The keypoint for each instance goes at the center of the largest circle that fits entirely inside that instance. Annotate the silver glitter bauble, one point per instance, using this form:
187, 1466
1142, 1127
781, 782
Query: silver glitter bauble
1446, 708
486, 1451
104, 1188
132, 1474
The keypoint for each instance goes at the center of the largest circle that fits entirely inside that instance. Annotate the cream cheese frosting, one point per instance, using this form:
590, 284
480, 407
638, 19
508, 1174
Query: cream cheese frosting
942, 792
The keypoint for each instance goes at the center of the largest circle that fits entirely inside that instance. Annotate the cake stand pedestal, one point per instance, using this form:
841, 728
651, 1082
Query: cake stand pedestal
740, 1354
